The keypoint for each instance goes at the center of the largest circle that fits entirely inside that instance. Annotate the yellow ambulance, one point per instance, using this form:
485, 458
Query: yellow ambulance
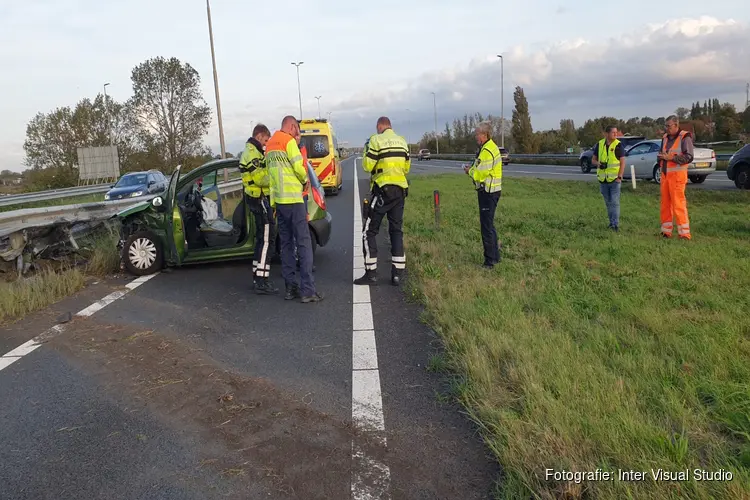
322, 147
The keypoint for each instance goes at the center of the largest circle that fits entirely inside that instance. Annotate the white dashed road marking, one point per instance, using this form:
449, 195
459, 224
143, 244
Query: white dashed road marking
30, 346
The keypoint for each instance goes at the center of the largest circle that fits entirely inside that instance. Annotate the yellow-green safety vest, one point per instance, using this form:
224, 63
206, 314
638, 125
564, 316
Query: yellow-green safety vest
254, 172
487, 169
607, 157
386, 159
286, 171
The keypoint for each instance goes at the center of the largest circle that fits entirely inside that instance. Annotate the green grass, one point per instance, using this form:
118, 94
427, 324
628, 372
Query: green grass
27, 295
587, 348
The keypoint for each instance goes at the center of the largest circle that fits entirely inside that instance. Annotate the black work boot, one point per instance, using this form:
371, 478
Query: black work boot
265, 287
316, 297
292, 292
397, 276
369, 278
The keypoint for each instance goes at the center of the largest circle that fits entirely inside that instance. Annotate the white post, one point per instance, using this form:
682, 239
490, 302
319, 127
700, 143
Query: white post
632, 174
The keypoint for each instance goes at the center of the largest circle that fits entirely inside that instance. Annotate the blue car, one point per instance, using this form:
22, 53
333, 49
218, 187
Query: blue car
136, 184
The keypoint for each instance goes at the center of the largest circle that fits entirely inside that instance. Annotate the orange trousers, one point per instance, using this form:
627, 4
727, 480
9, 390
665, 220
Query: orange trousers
674, 204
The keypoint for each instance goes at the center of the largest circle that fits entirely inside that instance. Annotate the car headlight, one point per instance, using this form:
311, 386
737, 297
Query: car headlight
106, 196
158, 201
732, 157
136, 194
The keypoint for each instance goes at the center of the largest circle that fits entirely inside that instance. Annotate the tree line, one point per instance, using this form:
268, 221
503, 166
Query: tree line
710, 122
160, 126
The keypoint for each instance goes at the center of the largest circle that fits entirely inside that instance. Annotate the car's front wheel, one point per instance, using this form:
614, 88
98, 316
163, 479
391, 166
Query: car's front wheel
585, 165
697, 179
742, 178
143, 253
657, 174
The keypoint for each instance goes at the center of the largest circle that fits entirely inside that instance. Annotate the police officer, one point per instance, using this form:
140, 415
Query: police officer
386, 159
487, 174
257, 189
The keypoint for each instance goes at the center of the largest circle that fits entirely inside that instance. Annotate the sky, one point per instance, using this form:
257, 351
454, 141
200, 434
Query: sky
574, 59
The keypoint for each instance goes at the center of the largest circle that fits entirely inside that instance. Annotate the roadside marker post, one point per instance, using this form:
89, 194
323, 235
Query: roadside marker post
436, 200
632, 174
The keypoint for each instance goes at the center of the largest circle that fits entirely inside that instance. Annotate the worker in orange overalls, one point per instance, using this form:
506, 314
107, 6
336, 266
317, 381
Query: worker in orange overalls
675, 156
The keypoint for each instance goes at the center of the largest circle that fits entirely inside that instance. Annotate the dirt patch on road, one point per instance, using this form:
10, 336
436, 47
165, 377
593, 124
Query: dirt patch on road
254, 433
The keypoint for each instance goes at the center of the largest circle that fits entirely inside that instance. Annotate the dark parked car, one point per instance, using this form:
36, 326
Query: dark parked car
137, 184
739, 168
586, 156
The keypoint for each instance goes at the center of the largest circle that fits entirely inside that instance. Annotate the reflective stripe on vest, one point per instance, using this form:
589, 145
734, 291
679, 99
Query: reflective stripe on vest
677, 149
607, 157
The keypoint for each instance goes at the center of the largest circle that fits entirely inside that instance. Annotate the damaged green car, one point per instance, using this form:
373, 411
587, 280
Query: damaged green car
187, 224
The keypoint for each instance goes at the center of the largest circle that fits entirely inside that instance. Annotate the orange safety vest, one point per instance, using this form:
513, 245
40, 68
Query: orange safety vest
677, 149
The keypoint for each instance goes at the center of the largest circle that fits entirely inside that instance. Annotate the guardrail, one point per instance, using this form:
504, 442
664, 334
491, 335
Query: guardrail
52, 194
557, 156
27, 218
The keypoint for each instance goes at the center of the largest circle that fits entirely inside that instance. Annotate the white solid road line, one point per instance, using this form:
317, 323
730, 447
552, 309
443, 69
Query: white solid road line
370, 478
30, 346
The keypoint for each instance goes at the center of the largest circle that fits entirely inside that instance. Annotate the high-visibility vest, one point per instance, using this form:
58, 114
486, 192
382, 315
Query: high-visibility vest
487, 169
286, 172
607, 157
254, 171
672, 166
387, 159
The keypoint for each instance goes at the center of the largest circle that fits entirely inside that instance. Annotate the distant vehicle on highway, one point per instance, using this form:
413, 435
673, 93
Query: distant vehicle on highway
424, 154
739, 168
505, 156
586, 156
643, 156
137, 184
186, 224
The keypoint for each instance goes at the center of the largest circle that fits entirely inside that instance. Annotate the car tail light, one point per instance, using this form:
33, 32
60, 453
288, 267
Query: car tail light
713, 154
319, 197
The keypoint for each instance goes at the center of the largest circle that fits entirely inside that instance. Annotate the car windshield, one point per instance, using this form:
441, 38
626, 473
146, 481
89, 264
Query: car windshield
132, 180
317, 145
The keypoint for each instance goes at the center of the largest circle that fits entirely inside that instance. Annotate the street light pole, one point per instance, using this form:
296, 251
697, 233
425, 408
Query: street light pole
299, 89
437, 141
502, 104
408, 126
109, 118
216, 90
318, 98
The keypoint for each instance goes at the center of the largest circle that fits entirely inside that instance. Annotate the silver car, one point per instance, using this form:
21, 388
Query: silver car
643, 157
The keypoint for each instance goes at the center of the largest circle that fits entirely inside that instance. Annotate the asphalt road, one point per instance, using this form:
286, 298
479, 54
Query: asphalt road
717, 180
190, 386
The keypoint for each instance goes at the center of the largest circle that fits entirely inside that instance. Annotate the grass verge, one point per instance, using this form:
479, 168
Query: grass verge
56, 281
587, 349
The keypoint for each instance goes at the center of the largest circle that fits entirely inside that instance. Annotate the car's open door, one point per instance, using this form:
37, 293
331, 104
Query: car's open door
175, 228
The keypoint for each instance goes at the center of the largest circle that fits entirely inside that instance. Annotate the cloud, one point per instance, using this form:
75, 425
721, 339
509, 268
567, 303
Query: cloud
650, 71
